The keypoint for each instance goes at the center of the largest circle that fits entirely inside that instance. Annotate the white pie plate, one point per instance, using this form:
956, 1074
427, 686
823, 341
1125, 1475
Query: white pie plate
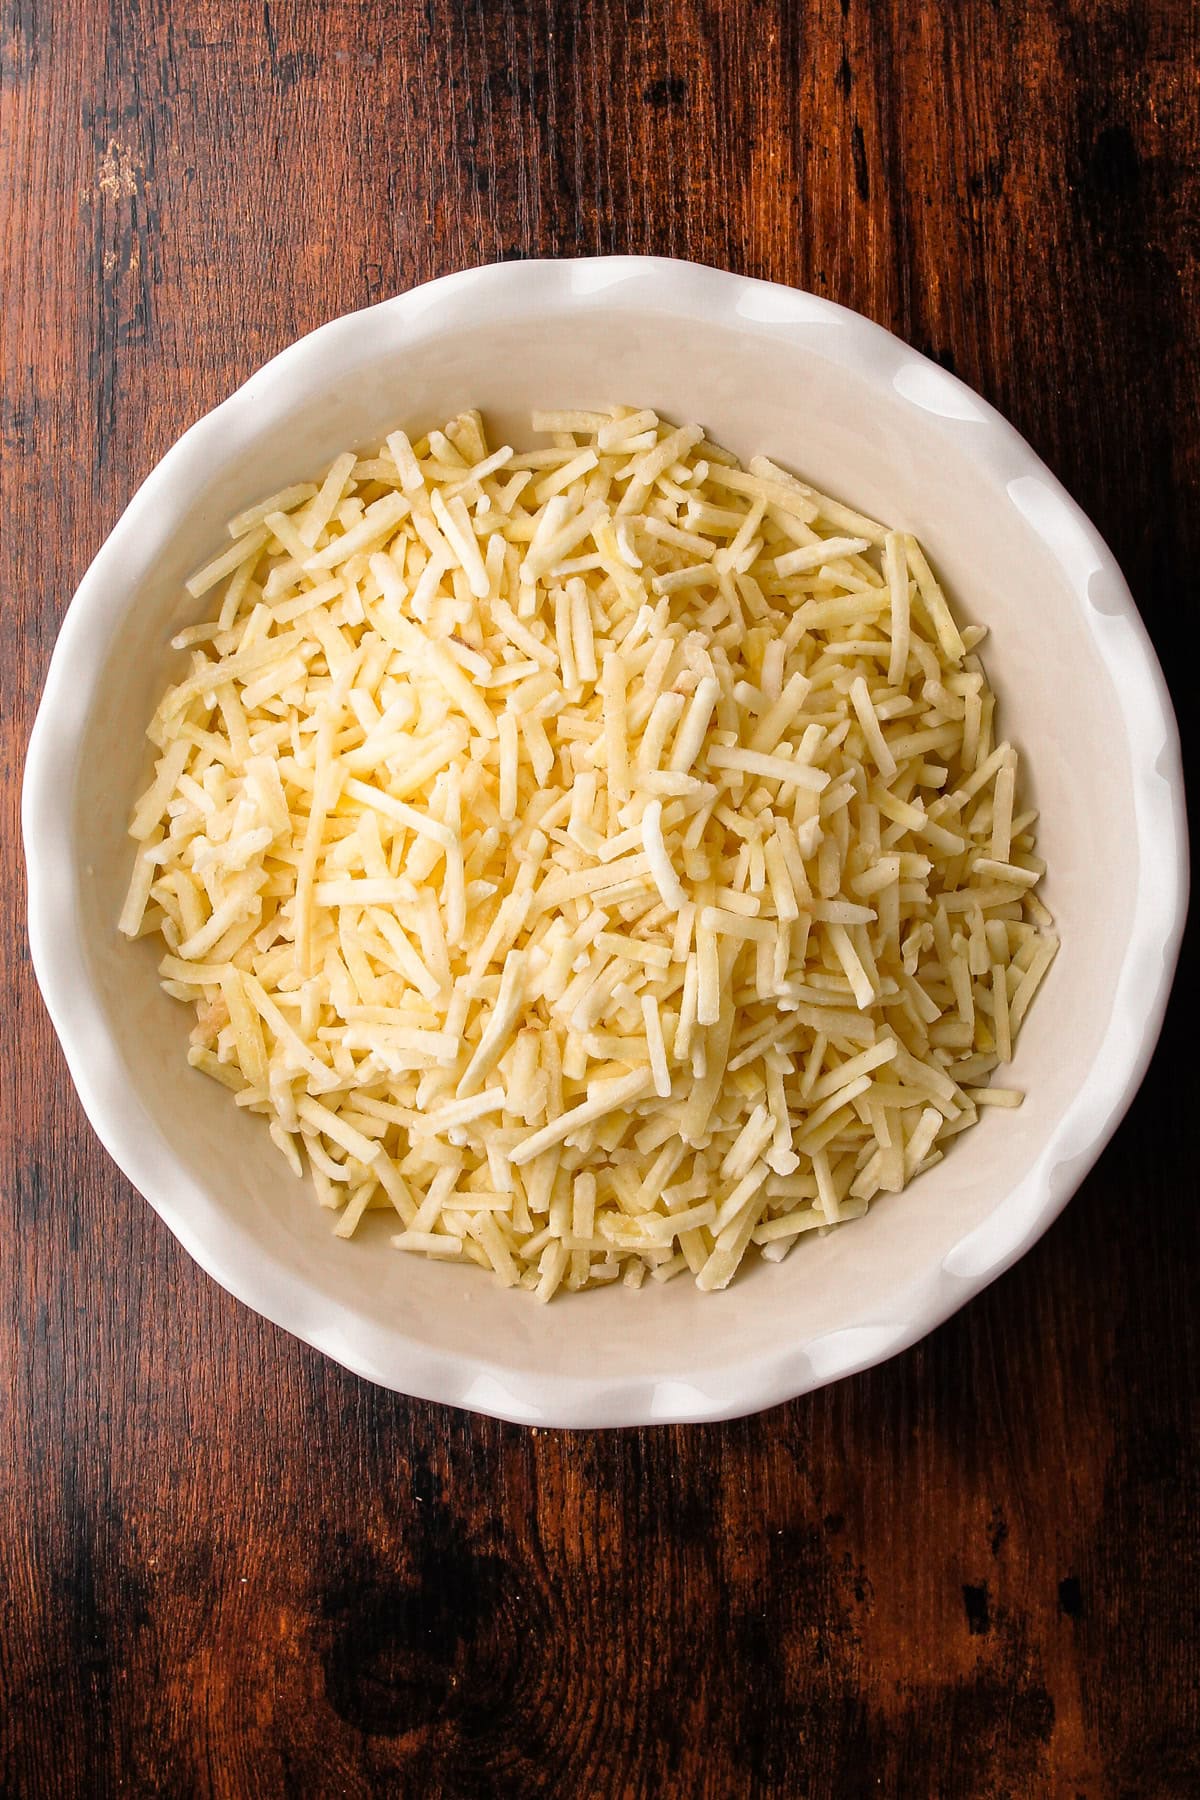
842, 402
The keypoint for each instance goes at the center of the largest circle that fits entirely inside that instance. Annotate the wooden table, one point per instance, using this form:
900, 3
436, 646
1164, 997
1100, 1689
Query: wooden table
226, 1566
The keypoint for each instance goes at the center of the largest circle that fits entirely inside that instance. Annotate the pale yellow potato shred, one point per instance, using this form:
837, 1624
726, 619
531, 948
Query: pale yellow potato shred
598, 860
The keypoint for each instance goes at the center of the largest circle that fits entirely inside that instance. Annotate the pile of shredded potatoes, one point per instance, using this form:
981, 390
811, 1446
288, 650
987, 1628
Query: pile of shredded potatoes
598, 857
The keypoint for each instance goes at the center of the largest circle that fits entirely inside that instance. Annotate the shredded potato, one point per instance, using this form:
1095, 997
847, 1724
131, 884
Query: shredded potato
600, 858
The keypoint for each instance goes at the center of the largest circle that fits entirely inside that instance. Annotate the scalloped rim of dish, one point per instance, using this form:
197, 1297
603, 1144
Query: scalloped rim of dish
297, 1305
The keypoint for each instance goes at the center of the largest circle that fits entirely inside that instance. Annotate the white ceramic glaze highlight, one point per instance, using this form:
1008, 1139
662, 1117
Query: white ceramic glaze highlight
843, 403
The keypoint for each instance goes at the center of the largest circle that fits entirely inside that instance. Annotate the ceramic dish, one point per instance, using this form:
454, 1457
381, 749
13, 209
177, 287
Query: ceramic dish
837, 399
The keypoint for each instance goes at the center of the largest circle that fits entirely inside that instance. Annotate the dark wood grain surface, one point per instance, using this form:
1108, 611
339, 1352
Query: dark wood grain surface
226, 1566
